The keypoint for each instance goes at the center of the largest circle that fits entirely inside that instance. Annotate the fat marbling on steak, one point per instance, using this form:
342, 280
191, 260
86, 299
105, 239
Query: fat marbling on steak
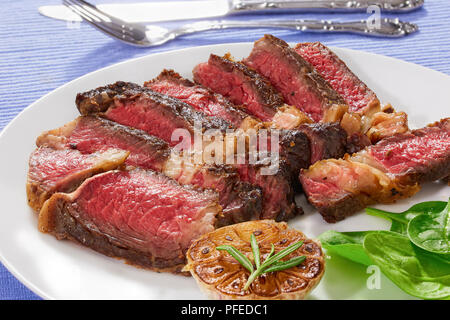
240, 201
140, 215
158, 115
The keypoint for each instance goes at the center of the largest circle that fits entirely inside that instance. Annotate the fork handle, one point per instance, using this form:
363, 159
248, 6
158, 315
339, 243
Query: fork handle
387, 27
386, 5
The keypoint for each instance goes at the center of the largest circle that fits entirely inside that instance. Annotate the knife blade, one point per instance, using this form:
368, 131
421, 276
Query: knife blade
199, 9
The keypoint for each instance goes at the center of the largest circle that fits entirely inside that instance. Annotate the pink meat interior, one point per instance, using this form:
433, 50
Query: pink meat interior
145, 210
341, 79
233, 87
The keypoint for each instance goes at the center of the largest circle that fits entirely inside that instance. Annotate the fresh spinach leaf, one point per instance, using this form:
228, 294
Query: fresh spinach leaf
400, 220
431, 231
346, 244
416, 271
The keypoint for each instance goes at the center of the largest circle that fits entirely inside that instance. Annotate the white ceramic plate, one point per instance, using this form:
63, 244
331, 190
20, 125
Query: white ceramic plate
63, 270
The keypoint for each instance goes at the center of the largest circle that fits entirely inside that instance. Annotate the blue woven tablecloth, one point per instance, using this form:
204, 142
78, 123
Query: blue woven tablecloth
38, 54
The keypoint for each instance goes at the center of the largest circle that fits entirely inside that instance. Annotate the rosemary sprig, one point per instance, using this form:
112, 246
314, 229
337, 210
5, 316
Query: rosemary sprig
271, 264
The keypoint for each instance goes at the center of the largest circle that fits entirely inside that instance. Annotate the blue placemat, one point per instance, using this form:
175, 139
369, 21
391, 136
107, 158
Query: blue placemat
38, 54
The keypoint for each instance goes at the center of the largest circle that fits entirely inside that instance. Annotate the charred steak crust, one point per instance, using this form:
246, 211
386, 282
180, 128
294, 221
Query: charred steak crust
327, 140
99, 100
314, 84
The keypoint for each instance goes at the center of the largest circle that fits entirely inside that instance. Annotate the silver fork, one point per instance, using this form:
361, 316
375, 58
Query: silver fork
150, 35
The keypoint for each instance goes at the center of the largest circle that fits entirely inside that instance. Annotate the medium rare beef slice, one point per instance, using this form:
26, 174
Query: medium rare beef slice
159, 115
240, 84
141, 216
202, 99
339, 188
52, 170
296, 79
293, 143
88, 134
356, 94
147, 110
400, 163
417, 157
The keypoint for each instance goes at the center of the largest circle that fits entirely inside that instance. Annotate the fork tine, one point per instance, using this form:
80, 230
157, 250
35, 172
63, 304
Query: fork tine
96, 10
114, 24
99, 25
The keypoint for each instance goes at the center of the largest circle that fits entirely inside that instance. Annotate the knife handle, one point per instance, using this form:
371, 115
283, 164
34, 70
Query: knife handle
355, 5
387, 27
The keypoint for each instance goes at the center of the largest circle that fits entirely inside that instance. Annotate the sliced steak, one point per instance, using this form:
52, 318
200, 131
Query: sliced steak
417, 157
240, 84
391, 169
294, 145
53, 171
141, 216
339, 188
202, 99
356, 94
147, 110
296, 79
131, 108
89, 134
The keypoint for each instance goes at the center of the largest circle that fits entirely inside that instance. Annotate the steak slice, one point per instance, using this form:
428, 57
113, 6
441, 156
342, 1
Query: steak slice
145, 109
417, 157
141, 216
138, 108
391, 169
213, 104
357, 95
240, 84
53, 171
339, 188
297, 81
240, 201
294, 144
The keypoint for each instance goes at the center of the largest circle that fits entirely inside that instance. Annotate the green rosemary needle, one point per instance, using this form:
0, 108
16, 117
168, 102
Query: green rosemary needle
271, 264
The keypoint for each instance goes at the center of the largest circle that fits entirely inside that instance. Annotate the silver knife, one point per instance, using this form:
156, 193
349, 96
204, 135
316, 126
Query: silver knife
199, 9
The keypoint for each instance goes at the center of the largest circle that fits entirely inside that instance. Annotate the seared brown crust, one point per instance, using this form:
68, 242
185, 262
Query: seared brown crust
99, 100
220, 276
331, 136
58, 217
266, 93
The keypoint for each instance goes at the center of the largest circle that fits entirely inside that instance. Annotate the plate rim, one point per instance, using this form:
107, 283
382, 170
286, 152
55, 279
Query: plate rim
28, 283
